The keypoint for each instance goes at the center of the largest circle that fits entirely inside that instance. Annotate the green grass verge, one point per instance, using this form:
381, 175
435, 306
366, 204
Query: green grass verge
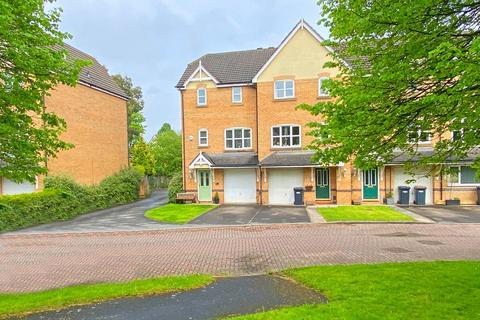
425, 290
362, 213
23, 303
178, 213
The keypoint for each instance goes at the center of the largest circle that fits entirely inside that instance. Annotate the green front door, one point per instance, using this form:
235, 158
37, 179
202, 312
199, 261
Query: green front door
204, 185
322, 189
370, 184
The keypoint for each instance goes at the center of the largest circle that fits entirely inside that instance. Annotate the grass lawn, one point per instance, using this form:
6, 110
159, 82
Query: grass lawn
362, 213
18, 304
178, 213
427, 290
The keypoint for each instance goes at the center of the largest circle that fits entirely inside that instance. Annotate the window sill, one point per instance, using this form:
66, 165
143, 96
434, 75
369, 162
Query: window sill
467, 185
285, 148
237, 104
284, 99
203, 147
201, 105
238, 150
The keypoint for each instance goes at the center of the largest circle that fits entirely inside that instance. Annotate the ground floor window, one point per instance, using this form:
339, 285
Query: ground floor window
464, 175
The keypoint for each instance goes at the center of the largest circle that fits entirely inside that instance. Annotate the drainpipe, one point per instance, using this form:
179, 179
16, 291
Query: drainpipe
261, 185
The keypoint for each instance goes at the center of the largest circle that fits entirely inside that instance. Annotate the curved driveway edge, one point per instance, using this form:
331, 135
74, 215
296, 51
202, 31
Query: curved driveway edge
38, 262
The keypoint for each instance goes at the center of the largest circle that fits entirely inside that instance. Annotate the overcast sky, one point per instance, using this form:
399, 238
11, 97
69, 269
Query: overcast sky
152, 41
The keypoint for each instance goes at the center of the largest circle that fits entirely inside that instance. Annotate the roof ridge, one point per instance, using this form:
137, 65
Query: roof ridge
236, 51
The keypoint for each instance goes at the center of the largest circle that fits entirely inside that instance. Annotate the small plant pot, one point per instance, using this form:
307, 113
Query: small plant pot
388, 201
452, 202
308, 188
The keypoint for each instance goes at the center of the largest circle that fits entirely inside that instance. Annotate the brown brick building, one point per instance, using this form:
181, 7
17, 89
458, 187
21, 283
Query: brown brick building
96, 114
244, 139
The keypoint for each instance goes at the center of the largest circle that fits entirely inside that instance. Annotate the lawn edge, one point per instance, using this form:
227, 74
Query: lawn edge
182, 223
105, 299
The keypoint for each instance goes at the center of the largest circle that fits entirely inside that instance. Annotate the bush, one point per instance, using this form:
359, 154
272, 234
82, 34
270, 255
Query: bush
64, 199
175, 186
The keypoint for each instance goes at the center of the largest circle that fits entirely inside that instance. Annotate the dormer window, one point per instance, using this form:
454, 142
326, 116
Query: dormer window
284, 89
237, 95
201, 97
322, 91
203, 138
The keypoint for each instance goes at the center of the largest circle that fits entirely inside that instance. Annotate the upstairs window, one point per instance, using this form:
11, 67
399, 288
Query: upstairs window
322, 91
201, 97
463, 175
284, 89
420, 136
237, 94
238, 138
203, 137
286, 136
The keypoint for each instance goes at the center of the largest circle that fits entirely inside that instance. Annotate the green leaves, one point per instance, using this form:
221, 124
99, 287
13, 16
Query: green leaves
166, 147
412, 65
32, 62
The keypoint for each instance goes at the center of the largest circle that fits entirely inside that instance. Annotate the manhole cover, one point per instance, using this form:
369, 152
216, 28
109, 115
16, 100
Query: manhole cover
396, 250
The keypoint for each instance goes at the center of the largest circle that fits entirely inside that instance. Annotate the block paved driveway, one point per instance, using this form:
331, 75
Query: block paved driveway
40, 261
126, 217
245, 214
448, 214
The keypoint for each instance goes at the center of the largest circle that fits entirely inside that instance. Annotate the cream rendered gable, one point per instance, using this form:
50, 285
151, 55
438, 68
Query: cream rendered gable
303, 57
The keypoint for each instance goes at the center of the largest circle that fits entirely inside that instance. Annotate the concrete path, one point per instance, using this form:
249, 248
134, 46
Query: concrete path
448, 214
30, 262
252, 214
126, 217
227, 296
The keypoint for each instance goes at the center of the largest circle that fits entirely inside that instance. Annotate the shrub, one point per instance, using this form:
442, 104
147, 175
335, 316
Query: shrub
175, 186
64, 199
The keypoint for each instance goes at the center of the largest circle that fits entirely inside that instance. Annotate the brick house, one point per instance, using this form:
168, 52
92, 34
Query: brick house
244, 139
96, 114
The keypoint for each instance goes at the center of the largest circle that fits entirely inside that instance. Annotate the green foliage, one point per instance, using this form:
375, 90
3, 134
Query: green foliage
142, 157
175, 186
32, 62
64, 199
166, 147
412, 65
362, 213
16, 304
134, 108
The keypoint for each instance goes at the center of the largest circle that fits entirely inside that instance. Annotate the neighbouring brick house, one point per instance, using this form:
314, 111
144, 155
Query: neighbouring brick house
96, 114
244, 139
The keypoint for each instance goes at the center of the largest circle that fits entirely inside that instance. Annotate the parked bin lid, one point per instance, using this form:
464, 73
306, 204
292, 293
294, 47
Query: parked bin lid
403, 187
420, 188
298, 189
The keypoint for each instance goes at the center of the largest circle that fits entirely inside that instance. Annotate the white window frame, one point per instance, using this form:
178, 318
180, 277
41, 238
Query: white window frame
291, 136
200, 144
324, 93
240, 94
233, 138
284, 89
419, 133
459, 178
198, 97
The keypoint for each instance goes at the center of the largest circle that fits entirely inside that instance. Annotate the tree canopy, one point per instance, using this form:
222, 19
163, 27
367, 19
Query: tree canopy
134, 108
167, 149
407, 69
142, 157
32, 62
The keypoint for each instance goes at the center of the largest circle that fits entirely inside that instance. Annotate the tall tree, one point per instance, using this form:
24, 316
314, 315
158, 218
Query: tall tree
167, 150
134, 108
32, 62
405, 67
142, 157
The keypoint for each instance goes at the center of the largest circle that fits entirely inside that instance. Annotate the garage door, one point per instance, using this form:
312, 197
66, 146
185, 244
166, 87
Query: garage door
240, 185
400, 178
281, 183
10, 187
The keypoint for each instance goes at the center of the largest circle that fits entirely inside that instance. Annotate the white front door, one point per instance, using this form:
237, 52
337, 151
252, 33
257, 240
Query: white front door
400, 178
10, 187
240, 185
281, 183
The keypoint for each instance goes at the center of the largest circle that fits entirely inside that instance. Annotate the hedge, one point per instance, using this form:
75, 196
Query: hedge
65, 199
175, 186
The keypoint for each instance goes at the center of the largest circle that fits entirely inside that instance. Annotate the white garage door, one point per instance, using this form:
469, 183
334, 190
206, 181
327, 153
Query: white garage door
281, 183
10, 187
240, 186
400, 178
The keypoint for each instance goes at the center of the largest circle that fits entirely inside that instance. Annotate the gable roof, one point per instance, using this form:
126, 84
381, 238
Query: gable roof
95, 75
237, 67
